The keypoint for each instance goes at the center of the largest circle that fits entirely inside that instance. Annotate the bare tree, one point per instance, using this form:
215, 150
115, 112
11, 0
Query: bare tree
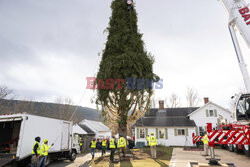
192, 97
173, 101
65, 108
5, 92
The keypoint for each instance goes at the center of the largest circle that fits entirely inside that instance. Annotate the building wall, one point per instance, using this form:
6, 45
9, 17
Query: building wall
201, 118
172, 139
106, 134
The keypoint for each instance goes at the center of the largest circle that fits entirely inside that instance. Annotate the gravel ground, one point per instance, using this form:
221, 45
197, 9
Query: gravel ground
80, 161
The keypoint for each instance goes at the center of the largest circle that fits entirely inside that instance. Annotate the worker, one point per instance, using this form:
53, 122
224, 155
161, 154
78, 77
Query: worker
205, 142
152, 144
44, 153
112, 146
104, 146
148, 137
92, 147
35, 152
81, 144
122, 146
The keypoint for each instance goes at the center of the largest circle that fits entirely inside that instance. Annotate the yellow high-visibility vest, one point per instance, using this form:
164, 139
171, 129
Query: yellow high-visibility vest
121, 142
104, 143
38, 148
112, 143
44, 150
205, 139
148, 138
93, 144
152, 141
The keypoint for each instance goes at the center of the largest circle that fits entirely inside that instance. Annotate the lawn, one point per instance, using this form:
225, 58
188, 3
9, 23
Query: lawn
141, 158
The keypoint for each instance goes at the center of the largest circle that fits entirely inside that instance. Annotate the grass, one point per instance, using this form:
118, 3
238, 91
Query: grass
141, 159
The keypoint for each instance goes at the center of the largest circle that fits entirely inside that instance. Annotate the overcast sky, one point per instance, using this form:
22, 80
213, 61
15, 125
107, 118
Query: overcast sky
49, 47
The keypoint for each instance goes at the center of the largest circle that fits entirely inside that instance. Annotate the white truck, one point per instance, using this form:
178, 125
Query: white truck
18, 133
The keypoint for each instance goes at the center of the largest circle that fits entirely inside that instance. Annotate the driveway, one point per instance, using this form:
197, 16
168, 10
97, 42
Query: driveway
80, 161
181, 158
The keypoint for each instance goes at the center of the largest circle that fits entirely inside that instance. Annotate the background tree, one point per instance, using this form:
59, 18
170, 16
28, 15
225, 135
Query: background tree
173, 101
124, 56
192, 97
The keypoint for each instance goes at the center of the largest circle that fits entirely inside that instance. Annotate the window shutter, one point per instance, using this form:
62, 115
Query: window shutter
166, 133
186, 132
146, 132
215, 113
207, 113
156, 132
196, 130
175, 132
137, 133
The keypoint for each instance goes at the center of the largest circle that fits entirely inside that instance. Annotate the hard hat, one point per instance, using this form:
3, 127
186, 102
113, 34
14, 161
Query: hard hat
152, 133
45, 140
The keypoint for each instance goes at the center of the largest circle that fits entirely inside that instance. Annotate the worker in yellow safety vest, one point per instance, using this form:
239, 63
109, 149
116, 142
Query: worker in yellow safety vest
152, 144
112, 146
44, 153
205, 142
92, 147
148, 137
104, 146
122, 146
35, 152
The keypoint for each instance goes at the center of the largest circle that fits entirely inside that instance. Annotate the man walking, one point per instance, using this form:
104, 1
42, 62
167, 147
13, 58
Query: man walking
205, 142
152, 144
104, 146
44, 153
35, 152
122, 146
92, 147
112, 146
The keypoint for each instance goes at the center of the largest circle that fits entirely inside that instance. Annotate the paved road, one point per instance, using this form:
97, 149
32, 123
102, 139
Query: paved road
181, 158
80, 161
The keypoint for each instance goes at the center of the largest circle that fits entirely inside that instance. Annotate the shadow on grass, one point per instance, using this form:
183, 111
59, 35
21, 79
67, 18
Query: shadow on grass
162, 164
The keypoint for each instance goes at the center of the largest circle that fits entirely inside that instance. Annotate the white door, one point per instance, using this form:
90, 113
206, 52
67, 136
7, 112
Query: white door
65, 135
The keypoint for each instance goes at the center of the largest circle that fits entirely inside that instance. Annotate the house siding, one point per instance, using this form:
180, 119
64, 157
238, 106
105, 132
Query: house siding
171, 140
201, 119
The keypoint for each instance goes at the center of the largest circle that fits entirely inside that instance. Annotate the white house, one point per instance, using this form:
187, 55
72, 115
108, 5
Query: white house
174, 126
99, 129
170, 126
209, 113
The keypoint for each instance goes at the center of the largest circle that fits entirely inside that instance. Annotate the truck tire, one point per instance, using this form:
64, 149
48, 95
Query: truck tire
230, 147
72, 155
246, 150
236, 149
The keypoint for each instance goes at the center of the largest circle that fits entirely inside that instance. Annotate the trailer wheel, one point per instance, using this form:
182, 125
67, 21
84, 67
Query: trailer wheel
72, 155
236, 149
246, 150
230, 147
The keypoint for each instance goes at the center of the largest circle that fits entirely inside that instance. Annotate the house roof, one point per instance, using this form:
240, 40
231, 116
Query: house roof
86, 128
165, 121
95, 126
79, 130
184, 111
198, 109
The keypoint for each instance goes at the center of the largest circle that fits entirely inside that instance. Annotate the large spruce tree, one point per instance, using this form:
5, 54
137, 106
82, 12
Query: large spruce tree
124, 57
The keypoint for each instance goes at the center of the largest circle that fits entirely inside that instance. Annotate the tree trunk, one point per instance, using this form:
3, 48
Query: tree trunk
122, 129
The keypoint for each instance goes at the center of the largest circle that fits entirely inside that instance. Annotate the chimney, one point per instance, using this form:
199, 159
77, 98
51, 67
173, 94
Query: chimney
161, 104
206, 100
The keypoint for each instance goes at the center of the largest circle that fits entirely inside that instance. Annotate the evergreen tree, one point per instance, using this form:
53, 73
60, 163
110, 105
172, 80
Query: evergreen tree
124, 57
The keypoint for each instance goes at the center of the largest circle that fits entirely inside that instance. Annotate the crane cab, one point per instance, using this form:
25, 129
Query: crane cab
241, 112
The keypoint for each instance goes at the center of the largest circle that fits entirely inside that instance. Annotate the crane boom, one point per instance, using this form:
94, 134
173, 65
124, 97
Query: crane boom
239, 16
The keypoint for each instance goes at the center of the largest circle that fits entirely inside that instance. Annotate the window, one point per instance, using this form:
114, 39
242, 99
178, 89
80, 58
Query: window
211, 113
201, 130
181, 132
161, 133
142, 133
